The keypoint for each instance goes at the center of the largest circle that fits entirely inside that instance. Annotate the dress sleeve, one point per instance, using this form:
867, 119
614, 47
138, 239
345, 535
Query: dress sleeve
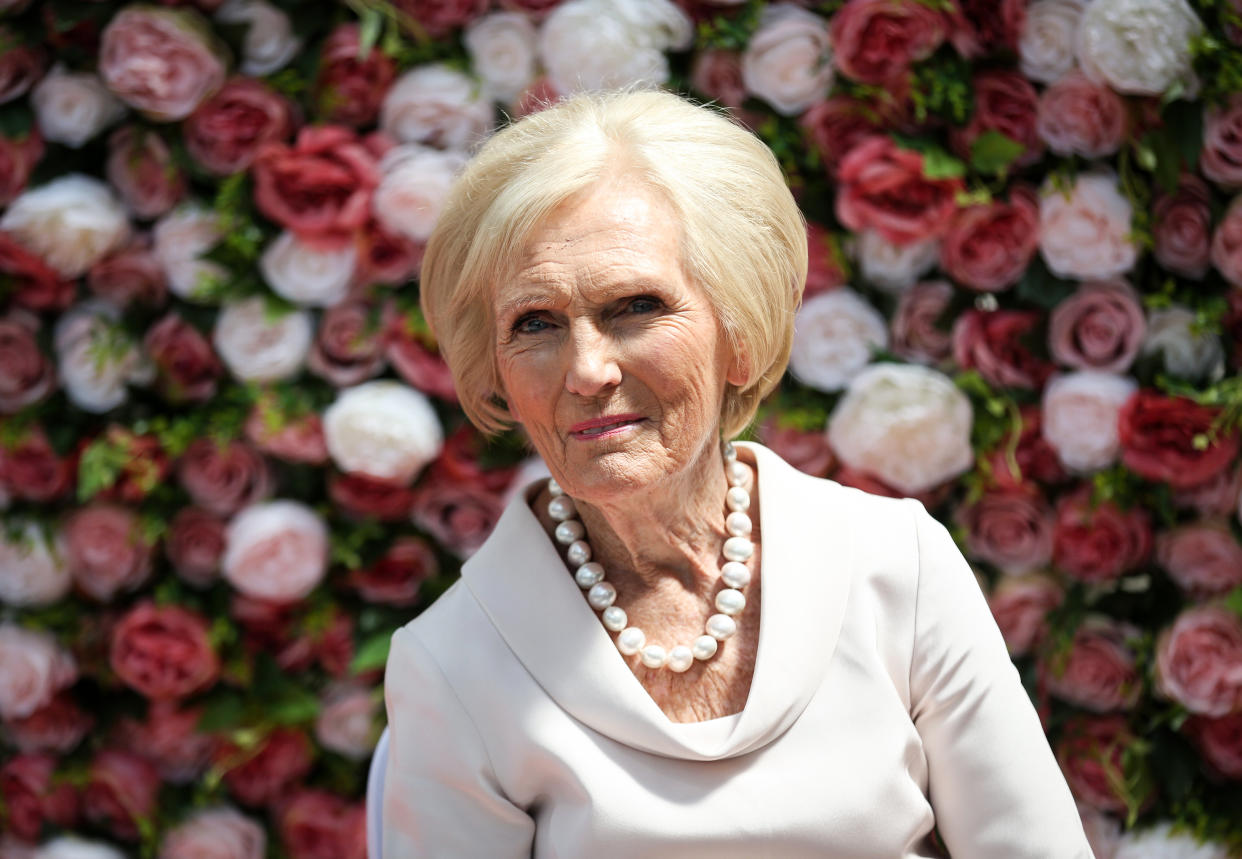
441, 796
994, 784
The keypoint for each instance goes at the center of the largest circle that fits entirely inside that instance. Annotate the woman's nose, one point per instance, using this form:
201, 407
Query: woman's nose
593, 366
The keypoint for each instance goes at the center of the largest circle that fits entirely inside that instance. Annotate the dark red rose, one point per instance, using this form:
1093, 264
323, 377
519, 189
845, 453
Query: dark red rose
145, 467
57, 727
394, 579
315, 824
1011, 528
1219, 741
223, 478
992, 342
824, 264
458, 515
226, 132
265, 772
350, 86
835, 126
278, 629
1078, 116
31, 470
876, 41
187, 365
1007, 103
1099, 327
1098, 542
411, 350
32, 283
131, 275
988, 247
31, 797
1090, 753
882, 188
1035, 458
979, 27
163, 651
122, 788
20, 65
348, 346
298, 439
386, 258
140, 166
1182, 228
1020, 606
106, 550
320, 188
916, 336
170, 739
1098, 671
806, 450
18, 157
363, 495
1221, 159
194, 545
440, 17
1171, 439
459, 462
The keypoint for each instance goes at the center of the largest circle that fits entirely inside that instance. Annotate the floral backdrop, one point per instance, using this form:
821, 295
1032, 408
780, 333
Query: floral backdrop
231, 460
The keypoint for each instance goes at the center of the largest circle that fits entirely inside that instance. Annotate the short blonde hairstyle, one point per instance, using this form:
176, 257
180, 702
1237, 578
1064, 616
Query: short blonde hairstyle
744, 239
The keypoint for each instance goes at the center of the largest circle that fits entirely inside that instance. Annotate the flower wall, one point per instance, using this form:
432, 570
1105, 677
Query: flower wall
232, 463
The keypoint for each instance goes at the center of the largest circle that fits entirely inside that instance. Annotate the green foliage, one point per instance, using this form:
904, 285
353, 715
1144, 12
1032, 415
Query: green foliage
937, 163
1225, 395
372, 654
993, 153
940, 87
997, 417
101, 466
731, 31
347, 546
1218, 65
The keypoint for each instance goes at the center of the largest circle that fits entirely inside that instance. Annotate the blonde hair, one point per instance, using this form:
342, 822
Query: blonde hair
744, 240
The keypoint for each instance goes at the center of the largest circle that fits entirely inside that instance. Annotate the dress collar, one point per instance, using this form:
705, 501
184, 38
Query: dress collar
521, 583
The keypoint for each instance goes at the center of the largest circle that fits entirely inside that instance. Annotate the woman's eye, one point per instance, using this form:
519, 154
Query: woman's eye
529, 324
643, 304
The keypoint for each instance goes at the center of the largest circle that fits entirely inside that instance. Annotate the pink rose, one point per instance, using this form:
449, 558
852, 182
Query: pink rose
194, 545
159, 61
1220, 742
1182, 228
31, 470
835, 126
32, 283
386, 258
1227, 243
1221, 159
58, 726
292, 439
1011, 528
806, 450
346, 723
1086, 233
170, 739
1199, 661
876, 41
26, 374
18, 157
717, 74
348, 345
916, 334
1006, 103
992, 343
351, 86
989, 246
265, 773
883, 188
30, 795
226, 132
122, 788
1217, 496
438, 18
187, 367
215, 832
315, 824
163, 651
1098, 542
458, 515
361, 495
141, 168
1080, 117
1203, 558
1090, 754
1020, 606
223, 478
107, 552
276, 551
20, 65
824, 261
411, 350
980, 27
1099, 327
1098, 672
131, 275
395, 577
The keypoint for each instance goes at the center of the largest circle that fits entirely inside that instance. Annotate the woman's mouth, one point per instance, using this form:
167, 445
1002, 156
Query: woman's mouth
603, 427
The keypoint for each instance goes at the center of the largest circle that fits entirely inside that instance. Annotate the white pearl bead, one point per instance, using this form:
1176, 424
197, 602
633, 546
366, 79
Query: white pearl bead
615, 618
589, 574
721, 626
579, 552
554, 488
630, 640
737, 473
653, 656
736, 549
738, 499
570, 530
601, 595
681, 657
738, 524
730, 601
729, 452
735, 574
561, 508
704, 648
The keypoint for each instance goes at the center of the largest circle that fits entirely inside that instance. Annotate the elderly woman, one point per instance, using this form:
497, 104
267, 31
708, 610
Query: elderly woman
678, 647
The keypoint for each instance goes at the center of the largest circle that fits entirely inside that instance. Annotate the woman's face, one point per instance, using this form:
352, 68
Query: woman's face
610, 356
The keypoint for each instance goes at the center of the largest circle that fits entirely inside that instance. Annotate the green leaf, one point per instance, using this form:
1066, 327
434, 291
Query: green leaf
937, 164
101, 465
1041, 287
369, 32
993, 153
1233, 601
372, 653
225, 711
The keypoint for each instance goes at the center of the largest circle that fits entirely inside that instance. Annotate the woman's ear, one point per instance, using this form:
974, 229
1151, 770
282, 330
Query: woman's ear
739, 374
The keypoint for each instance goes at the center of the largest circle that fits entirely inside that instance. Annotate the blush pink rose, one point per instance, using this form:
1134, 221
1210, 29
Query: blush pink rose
315, 824
223, 478
348, 346
18, 158
131, 275
1011, 528
31, 795
988, 247
187, 367
1006, 103
215, 833
1203, 558
1098, 672
1098, 542
1220, 742
460, 516
916, 334
1158, 440
1100, 327
1086, 233
1226, 252
346, 723
140, 166
107, 553
1199, 661
991, 341
122, 788
27, 375
194, 545
1020, 606
163, 651
276, 551
34, 668
1217, 496
170, 739
883, 188
1221, 158
351, 85
1182, 228
1090, 754
226, 132
394, 578
1080, 117
58, 726
876, 41
264, 774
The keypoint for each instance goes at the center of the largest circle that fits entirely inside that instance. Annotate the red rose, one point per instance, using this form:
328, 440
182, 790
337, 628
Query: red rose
916, 336
122, 788
458, 515
315, 824
439, 17
1005, 102
1098, 672
350, 86
170, 739
1221, 158
1219, 741
227, 131
130, 275
1090, 754
362, 495
58, 726
1080, 117
805, 450
1099, 327
1199, 661
293, 440
1020, 606
824, 264
989, 246
394, 579
30, 797
1160, 440
979, 27
187, 366
265, 772
106, 550
320, 188
1034, 456
20, 65
1097, 542
991, 341
1011, 528
876, 41
882, 188
348, 346
141, 168
163, 651
18, 157
386, 258
411, 350
1182, 228
458, 462
223, 478
194, 545
1203, 558
32, 284
33, 471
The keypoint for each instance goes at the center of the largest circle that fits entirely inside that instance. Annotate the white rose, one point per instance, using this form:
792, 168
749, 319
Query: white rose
416, 182
383, 429
1080, 417
33, 668
892, 267
502, 52
1046, 47
788, 61
1159, 842
269, 43
258, 345
604, 44
1085, 235
1184, 352
72, 847
32, 573
1138, 47
436, 105
346, 722
835, 334
306, 275
180, 238
215, 833
96, 358
71, 222
73, 107
907, 425
276, 551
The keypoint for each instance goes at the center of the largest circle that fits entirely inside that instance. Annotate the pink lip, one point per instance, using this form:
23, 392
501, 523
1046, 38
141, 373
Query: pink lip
616, 423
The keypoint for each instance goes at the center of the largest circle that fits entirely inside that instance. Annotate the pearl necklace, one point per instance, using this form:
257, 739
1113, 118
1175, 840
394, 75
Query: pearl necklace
730, 601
